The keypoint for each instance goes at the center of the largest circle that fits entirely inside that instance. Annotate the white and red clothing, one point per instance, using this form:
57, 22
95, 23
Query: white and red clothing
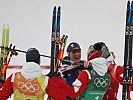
116, 78
31, 74
57, 86
58, 89
84, 78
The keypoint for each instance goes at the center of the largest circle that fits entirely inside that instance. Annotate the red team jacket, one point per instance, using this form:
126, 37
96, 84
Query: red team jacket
115, 73
58, 89
111, 93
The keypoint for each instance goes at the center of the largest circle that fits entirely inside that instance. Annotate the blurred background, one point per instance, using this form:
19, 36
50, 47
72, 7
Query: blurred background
84, 21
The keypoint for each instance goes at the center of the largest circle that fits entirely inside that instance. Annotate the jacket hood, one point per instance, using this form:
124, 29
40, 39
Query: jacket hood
100, 65
31, 70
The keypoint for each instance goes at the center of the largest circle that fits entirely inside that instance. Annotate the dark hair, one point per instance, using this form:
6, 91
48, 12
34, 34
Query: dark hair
33, 55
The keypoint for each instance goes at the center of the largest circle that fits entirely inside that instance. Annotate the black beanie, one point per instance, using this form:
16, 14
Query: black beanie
33, 55
73, 45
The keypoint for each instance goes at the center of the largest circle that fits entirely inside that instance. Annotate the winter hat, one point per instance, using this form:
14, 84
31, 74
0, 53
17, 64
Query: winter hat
33, 55
94, 54
72, 46
97, 50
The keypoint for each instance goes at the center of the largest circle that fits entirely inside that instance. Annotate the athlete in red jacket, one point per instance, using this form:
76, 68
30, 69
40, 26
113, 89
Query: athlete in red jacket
114, 70
29, 83
96, 52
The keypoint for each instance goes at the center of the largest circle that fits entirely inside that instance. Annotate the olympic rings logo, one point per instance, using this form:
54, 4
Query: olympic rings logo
28, 87
101, 82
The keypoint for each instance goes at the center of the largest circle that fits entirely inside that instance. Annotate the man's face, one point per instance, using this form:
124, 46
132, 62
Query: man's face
75, 55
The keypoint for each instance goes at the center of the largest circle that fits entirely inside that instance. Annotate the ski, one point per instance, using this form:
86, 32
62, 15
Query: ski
54, 42
57, 44
52, 64
128, 52
55, 39
4, 52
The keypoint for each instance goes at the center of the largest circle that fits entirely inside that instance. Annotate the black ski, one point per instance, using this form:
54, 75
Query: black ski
55, 37
57, 42
128, 52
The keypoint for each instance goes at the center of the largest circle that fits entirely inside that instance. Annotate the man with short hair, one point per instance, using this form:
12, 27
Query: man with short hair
73, 55
88, 84
91, 83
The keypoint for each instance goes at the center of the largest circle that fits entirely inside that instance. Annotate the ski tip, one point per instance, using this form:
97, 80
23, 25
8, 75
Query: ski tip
54, 8
128, 2
4, 25
132, 5
59, 8
7, 25
54, 11
128, 5
59, 11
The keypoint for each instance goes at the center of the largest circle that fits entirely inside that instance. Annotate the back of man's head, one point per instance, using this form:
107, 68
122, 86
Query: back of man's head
33, 55
99, 49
